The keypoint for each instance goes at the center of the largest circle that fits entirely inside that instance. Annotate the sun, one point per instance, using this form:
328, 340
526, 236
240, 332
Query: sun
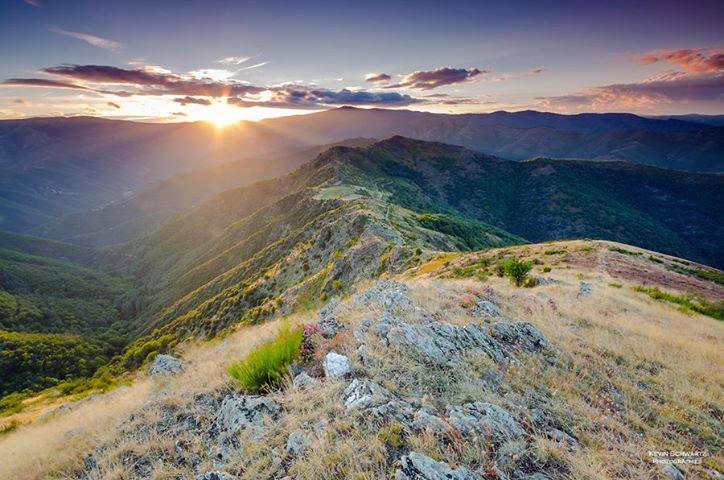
222, 114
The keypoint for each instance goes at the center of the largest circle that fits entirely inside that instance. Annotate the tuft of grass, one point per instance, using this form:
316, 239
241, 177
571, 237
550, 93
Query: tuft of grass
623, 251
615, 285
266, 367
687, 303
517, 270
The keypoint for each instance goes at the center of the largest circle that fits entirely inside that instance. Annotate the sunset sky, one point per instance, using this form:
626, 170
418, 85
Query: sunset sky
225, 61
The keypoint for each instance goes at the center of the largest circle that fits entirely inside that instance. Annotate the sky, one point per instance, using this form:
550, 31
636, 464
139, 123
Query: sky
224, 61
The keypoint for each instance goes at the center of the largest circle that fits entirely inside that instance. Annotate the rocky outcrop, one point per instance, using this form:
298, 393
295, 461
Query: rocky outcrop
245, 411
519, 334
416, 466
165, 365
490, 421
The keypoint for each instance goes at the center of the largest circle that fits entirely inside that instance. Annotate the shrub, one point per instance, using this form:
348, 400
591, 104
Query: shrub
686, 303
266, 367
517, 270
546, 269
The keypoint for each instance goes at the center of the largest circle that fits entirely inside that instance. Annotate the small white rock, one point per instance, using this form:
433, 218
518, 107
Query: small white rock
336, 365
302, 380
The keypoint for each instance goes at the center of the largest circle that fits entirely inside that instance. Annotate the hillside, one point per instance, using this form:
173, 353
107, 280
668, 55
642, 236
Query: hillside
453, 372
145, 211
59, 319
52, 167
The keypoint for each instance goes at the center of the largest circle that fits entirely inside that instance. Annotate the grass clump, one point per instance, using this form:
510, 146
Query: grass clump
517, 270
687, 303
266, 367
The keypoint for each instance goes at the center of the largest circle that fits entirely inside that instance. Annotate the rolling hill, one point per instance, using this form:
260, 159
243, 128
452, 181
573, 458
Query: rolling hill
52, 167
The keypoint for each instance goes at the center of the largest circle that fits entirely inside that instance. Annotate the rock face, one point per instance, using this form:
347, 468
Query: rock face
522, 335
336, 366
328, 323
416, 466
165, 365
297, 443
247, 411
486, 419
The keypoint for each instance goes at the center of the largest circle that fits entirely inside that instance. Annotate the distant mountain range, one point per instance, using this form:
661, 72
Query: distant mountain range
54, 167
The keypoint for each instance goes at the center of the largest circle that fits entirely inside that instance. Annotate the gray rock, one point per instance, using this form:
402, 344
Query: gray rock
519, 334
416, 466
297, 443
386, 295
485, 419
336, 365
364, 394
562, 438
329, 323
585, 290
386, 323
440, 343
542, 281
215, 476
247, 411
165, 365
302, 380
671, 472
360, 332
485, 308
714, 475
432, 424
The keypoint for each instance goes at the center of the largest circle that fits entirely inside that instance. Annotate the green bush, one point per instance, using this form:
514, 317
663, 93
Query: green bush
517, 270
266, 367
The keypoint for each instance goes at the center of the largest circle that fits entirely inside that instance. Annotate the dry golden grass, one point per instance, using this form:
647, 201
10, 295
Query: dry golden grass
630, 375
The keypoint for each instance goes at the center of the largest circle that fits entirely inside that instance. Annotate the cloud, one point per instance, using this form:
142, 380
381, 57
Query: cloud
21, 101
298, 96
256, 65
42, 82
113, 105
378, 78
90, 39
34, 3
427, 80
157, 81
192, 100
700, 60
233, 60
651, 93
179, 114
151, 81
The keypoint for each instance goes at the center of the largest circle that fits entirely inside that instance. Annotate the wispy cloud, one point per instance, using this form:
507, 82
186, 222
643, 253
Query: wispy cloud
90, 39
233, 60
377, 78
648, 94
692, 60
42, 82
192, 100
429, 79
256, 65
34, 3
113, 105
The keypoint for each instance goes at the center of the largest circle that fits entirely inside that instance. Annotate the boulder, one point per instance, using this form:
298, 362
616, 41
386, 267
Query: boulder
486, 419
519, 334
302, 380
365, 393
416, 466
297, 443
485, 308
440, 344
246, 411
165, 365
430, 423
670, 472
336, 365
